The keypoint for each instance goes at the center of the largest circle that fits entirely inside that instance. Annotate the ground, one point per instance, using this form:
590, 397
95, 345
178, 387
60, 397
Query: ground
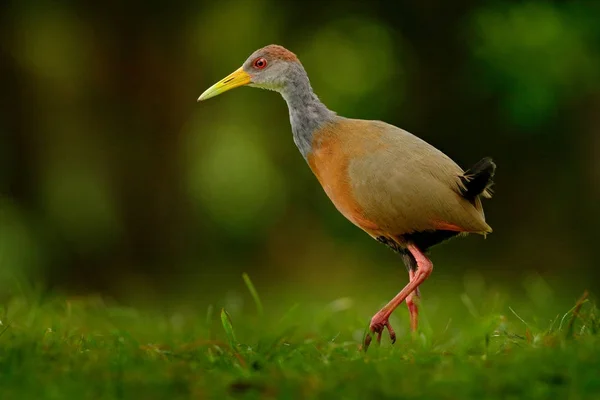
469, 346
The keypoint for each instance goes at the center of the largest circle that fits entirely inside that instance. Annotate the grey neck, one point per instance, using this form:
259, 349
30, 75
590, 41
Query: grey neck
307, 113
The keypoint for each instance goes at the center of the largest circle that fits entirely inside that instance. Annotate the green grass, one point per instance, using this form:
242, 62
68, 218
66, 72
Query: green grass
482, 346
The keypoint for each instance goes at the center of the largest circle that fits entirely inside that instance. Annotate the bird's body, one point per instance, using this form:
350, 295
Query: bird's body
393, 185
389, 182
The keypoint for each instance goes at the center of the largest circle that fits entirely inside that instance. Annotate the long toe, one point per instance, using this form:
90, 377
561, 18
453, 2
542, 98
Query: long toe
377, 327
367, 341
391, 332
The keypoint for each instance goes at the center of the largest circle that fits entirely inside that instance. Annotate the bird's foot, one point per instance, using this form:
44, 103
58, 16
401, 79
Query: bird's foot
378, 323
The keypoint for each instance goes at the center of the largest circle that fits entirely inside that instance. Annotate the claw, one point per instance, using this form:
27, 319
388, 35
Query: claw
378, 327
391, 332
368, 339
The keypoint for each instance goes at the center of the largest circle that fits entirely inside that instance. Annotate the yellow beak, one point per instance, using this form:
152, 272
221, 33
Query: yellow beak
236, 79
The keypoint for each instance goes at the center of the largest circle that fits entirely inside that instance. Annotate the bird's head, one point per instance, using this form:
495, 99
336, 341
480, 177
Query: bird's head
266, 68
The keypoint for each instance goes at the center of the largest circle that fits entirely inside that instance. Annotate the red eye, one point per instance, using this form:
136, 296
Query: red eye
260, 63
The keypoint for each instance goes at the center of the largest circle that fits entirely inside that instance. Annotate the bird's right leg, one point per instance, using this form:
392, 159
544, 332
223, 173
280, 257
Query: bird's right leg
412, 306
413, 310
381, 319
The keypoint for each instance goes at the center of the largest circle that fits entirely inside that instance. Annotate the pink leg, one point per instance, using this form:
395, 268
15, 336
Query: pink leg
381, 319
412, 305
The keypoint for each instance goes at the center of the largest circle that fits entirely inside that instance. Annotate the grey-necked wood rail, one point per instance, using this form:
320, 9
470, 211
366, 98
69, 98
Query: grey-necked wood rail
396, 187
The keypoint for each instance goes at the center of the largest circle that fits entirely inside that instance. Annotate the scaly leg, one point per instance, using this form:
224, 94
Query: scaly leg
381, 319
411, 267
411, 304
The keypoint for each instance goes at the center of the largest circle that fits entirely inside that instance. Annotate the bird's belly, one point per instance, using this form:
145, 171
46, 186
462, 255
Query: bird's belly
348, 207
331, 169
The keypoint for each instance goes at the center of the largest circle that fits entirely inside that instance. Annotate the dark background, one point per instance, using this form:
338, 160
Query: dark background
114, 180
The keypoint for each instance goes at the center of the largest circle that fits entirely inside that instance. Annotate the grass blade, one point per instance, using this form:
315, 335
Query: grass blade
517, 315
575, 308
575, 313
5, 329
254, 293
228, 327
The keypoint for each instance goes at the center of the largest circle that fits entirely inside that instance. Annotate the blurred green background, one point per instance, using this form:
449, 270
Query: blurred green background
114, 180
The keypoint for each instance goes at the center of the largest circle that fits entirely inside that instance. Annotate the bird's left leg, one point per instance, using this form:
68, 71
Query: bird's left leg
381, 319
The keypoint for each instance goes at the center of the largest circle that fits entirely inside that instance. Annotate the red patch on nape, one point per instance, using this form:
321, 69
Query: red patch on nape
279, 52
446, 226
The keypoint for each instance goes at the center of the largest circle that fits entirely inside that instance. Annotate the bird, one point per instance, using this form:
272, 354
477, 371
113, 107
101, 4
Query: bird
396, 187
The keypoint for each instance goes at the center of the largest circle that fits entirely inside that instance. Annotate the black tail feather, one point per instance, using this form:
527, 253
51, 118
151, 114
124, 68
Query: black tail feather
478, 179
